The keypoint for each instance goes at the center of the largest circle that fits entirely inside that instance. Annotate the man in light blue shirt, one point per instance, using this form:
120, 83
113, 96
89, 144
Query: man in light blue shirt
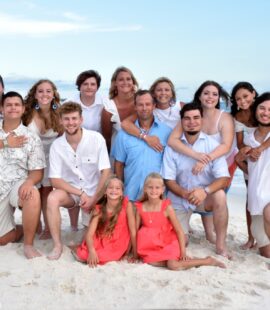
188, 191
134, 159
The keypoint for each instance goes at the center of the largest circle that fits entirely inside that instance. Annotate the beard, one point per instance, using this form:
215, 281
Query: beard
73, 133
192, 133
263, 124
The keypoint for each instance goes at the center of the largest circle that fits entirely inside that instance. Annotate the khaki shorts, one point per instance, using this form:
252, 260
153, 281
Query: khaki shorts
258, 232
183, 217
7, 222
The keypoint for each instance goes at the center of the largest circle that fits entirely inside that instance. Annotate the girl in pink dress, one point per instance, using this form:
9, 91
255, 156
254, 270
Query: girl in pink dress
111, 228
160, 239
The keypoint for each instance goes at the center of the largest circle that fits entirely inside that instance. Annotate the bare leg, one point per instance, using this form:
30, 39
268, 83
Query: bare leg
208, 225
56, 199
74, 215
14, 235
44, 193
265, 251
159, 264
197, 262
30, 218
266, 216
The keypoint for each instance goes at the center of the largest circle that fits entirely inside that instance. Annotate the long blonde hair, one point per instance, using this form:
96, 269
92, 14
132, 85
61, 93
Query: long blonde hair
30, 102
151, 176
107, 223
113, 90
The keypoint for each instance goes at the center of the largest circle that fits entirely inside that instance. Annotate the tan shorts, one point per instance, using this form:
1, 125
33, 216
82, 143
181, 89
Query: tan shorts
183, 217
7, 222
258, 231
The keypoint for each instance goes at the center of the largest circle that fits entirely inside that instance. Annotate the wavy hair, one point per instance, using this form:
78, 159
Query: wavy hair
113, 91
30, 102
163, 80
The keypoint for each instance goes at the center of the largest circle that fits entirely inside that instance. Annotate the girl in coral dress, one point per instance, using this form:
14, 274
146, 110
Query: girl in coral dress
160, 239
111, 228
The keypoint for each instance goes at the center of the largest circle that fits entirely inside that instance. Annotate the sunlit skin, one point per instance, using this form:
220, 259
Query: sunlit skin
114, 190
44, 95
71, 123
154, 189
163, 95
244, 98
124, 83
192, 122
145, 107
88, 88
209, 97
263, 113
13, 108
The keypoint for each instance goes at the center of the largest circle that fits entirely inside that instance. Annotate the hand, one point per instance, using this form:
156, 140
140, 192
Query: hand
185, 258
255, 153
198, 168
87, 202
154, 143
203, 158
197, 196
26, 190
16, 141
92, 258
243, 154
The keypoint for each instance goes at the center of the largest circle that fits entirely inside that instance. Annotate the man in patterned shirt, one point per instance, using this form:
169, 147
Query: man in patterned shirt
22, 162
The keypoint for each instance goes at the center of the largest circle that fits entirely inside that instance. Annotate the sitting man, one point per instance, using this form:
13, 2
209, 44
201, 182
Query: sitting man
79, 167
188, 191
258, 175
22, 161
134, 158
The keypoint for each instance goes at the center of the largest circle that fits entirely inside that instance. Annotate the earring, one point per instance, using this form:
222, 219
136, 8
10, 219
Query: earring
238, 108
36, 106
54, 106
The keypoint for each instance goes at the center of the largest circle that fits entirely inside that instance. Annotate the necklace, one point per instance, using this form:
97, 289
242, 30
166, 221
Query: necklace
150, 218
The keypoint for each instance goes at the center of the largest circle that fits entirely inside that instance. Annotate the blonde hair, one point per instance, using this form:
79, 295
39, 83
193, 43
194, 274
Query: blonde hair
113, 90
106, 224
151, 176
163, 80
30, 102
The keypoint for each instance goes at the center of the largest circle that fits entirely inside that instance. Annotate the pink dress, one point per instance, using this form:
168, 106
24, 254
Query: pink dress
110, 248
156, 239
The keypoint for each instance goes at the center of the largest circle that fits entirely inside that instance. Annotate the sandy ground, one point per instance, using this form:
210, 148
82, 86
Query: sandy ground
67, 284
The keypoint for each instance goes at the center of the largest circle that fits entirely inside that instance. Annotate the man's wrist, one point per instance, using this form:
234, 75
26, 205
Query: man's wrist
207, 190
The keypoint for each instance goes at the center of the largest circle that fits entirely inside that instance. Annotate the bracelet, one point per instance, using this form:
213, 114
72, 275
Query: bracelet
144, 136
141, 135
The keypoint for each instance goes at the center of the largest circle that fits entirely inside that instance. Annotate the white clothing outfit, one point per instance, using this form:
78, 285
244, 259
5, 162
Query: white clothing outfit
169, 116
178, 167
110, 107
47, 139
259, 180
15, 163
80, 168
91, 114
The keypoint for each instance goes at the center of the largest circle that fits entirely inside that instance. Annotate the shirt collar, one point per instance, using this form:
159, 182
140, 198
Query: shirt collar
17, 130
202, 136
156, 123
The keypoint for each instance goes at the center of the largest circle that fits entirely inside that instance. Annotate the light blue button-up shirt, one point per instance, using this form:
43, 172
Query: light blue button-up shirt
178, 167
139, 159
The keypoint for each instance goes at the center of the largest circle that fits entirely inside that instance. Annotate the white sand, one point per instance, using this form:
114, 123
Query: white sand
67, 284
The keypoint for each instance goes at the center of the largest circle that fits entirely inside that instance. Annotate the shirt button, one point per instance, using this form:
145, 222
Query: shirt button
76, 167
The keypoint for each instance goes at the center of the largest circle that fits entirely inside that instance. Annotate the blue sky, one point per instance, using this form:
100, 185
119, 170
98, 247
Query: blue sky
188, 41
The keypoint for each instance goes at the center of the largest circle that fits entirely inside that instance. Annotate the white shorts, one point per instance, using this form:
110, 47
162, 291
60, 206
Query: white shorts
183, 217
7, 222
258, 231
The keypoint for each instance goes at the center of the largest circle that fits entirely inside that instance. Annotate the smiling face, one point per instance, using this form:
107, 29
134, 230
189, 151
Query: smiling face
124, 83
263, 113
244, 98
154, 188
144, 107
44, 95
192, 122
13, 108
163, 94
209, 97
71, 123
89, 87
114, 190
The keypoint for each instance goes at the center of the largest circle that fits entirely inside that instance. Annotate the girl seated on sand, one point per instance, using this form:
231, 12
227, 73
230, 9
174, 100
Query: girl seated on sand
111, 228
160, 239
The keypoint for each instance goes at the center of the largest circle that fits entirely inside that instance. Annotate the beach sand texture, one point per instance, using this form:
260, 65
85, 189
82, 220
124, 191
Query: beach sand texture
67, 284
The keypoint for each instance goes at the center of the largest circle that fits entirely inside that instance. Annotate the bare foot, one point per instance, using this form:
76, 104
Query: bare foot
224, 253
211, 238
45, 235
77, 258
215, 262
248, 245
74, 228
55, 253
31, 252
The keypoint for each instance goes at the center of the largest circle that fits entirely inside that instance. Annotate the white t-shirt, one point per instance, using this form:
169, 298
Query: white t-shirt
91, 114
169, 116
80, 169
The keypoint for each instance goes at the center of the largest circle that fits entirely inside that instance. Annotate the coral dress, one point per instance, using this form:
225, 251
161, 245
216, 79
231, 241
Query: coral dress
110, 248
156, 239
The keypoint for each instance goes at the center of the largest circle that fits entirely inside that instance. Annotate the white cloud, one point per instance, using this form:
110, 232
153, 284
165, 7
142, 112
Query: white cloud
12, 25
72, 16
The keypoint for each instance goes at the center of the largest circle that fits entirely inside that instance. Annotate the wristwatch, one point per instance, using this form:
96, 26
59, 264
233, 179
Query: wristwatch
5, 142
207, 190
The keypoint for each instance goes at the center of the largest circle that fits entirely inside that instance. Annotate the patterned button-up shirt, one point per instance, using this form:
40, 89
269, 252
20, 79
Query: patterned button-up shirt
15, 163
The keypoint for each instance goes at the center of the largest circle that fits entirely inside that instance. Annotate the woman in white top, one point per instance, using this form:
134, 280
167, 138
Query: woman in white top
167, 111
121, 104
220, 126
92, 103
2, 86
41, 116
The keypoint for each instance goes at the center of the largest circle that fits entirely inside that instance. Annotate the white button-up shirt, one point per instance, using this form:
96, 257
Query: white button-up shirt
15, 163
178, 167
80, 168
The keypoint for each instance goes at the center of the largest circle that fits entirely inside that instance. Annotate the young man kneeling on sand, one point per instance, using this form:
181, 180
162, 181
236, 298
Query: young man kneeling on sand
258, 174
22, 162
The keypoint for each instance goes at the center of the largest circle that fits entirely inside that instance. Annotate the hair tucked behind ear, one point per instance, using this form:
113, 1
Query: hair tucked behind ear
151, 176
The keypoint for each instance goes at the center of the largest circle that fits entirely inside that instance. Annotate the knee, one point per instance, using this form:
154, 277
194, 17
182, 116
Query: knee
8, 237
219, 200
266, 213
53, 200
172, 265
